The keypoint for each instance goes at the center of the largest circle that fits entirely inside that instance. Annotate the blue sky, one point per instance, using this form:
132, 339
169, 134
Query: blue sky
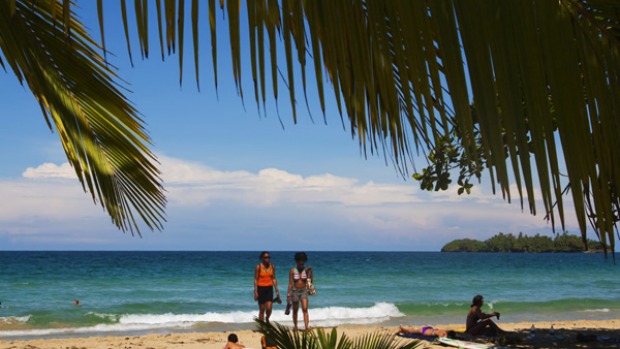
235, 178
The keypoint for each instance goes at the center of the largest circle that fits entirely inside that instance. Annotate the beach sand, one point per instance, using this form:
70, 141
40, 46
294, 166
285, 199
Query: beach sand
568, 334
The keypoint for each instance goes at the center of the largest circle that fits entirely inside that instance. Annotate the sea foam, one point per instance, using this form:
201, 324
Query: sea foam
327, 316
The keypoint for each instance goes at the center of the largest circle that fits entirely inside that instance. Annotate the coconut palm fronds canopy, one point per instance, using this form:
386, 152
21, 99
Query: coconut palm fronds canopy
532, 88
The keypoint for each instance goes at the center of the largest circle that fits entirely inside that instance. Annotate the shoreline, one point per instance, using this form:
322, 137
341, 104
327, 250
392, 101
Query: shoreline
600, 332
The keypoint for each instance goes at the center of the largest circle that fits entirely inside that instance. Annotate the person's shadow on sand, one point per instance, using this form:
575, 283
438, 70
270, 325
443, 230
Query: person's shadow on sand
570, 338
560, 338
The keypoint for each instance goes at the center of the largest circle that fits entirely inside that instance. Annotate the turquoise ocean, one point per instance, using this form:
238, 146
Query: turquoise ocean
162, 292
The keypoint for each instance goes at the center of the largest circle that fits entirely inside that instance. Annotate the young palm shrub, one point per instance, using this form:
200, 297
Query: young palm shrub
321, 339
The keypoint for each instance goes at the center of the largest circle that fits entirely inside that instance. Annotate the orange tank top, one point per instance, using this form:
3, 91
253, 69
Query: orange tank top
265, 276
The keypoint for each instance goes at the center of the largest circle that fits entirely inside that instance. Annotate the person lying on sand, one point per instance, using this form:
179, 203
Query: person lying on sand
426, 331
233, 342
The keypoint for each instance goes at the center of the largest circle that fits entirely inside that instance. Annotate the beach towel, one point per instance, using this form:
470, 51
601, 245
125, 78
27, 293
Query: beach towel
417, 336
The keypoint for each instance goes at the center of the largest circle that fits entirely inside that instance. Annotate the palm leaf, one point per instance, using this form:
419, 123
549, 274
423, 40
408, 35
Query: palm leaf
330, 340
285, 338
102, 136
384, 340
543, 77
320, 339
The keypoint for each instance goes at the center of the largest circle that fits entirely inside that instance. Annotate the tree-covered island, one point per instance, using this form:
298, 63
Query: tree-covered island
522, 243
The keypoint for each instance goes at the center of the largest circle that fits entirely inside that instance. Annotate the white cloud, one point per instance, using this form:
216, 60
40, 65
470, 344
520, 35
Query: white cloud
49, 201
49, 170
196, 184
39, 199
400, 209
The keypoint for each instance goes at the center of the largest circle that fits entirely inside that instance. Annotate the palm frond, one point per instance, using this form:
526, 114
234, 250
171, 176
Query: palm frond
284, 338
100, 131
383, 340
320, 339
543, 77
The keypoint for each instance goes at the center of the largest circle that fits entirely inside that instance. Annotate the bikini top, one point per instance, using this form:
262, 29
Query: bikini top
300, 276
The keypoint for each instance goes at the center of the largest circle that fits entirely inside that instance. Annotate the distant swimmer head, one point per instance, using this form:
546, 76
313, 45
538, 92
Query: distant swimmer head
76, 302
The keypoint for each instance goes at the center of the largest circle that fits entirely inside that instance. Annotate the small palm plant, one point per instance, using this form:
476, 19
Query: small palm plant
321, 339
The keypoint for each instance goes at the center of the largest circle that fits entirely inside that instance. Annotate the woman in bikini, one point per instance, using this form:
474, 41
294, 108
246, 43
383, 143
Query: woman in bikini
264, 283
426, 331
297, 287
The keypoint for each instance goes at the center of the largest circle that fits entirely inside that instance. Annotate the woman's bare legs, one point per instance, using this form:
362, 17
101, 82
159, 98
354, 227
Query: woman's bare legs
409, 329
268, 308
295, 310
304, 309
431, 331
487, 327
261, 311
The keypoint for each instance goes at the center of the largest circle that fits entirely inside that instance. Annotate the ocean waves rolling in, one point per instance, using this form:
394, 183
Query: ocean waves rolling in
145, 292
18, 327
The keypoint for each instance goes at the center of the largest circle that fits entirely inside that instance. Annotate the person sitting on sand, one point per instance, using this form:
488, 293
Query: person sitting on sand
233, 342
267, 343
479, 323
429, 331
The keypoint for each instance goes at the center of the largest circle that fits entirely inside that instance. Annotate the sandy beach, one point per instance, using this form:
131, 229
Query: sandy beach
567, 334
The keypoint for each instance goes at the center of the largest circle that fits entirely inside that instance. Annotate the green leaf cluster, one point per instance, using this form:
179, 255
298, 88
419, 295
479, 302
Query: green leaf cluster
523, 243
448, 155
322, 339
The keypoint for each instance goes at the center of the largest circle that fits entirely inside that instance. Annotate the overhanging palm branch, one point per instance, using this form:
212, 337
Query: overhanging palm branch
320, 339
101, 134
543, 76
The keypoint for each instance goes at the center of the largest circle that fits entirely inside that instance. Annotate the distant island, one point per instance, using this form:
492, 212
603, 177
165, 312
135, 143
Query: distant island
523, 243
